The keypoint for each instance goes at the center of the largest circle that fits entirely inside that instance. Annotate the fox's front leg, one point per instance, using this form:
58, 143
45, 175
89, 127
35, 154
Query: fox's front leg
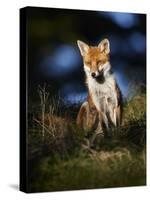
115, 116
103, 122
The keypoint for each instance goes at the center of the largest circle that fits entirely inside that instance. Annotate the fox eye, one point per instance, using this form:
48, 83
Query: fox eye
88, 62
99, 62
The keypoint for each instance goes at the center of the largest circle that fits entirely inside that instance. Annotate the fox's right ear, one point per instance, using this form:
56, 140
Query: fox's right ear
83, 47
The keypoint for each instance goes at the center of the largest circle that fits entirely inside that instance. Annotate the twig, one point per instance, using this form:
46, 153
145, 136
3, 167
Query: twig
44, 127
43, 97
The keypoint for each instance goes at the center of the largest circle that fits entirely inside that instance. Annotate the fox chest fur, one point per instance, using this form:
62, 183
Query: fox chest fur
103, 94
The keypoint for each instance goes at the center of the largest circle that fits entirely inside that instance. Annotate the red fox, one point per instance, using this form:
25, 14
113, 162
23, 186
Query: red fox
103, 107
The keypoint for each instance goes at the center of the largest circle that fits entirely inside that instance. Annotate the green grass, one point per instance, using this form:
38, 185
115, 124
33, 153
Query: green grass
67, 160
105, 169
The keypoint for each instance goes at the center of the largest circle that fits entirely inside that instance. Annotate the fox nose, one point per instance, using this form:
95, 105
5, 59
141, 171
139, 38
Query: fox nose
93, 74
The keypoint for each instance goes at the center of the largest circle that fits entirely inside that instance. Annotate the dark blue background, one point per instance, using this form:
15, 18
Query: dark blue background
54, 58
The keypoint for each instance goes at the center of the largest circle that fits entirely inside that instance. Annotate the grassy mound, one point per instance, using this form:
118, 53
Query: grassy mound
64, 158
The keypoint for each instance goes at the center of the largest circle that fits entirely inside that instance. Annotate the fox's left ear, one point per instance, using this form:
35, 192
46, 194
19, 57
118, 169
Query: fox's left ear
104, 46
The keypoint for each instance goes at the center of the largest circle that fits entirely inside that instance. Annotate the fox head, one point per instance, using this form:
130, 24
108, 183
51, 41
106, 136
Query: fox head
95, 59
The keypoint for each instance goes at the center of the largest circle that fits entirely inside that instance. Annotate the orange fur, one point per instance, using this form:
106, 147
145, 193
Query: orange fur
94, 56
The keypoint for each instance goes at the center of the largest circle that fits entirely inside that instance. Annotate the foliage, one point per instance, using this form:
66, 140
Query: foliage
67, 159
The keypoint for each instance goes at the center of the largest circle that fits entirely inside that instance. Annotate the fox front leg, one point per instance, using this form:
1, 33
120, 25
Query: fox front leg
102, 121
